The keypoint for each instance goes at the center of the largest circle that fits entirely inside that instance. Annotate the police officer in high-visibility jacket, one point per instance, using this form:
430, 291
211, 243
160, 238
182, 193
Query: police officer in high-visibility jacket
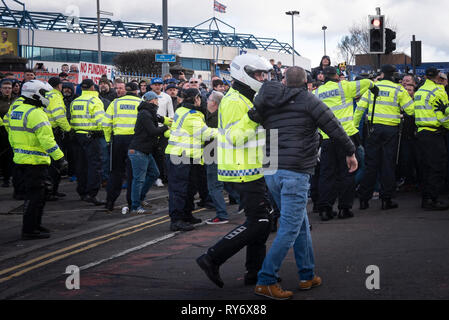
338, 96
12, 107
240, 155
33, 143
431, 118
87, 116
381, 146
120, 120
184, 158
56, 112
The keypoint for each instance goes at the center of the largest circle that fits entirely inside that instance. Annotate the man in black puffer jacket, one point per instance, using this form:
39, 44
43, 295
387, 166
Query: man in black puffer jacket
296, 114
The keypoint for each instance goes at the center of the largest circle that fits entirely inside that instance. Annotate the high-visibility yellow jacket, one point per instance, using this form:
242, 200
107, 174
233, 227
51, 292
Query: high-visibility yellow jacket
391, 100
339, 96
87, 112
12, 107
188, 134
31, 136
56, 110
426, 115
121, 116
240, 140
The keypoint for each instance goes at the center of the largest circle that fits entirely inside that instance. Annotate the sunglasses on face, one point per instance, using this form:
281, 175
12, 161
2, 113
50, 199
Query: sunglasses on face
193, 81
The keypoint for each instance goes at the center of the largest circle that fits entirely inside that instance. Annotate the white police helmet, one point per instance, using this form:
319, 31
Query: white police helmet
36, 90
246, 66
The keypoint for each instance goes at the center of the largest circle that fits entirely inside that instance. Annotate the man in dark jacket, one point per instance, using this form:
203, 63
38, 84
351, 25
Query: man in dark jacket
318, 72
296, 115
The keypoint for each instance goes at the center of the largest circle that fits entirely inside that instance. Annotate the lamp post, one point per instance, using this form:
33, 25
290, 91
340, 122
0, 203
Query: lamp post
293, 14
324, 31
99, 13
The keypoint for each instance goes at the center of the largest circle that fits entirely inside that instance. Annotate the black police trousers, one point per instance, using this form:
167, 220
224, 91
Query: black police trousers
54, 174
253, 233
6, 155
334, 179
120, 166
380, 160
433, 162
34, 183
88, 165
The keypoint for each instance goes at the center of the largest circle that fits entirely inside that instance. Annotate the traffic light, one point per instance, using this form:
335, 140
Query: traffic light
390, 46
376, 34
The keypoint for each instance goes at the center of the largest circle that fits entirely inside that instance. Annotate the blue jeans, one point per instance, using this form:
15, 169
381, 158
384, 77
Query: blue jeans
215, 188
145, 173
289, 190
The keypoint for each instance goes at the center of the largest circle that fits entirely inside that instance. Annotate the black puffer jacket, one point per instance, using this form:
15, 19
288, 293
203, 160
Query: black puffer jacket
297, 114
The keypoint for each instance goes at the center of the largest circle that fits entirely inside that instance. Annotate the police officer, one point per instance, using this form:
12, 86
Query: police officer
382, 143
56, 112
184, 159
87, 116
338, 96
240, 143
33, 144
120, 120
431, 119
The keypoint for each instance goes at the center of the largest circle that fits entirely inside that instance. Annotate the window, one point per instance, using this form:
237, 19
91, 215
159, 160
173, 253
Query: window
47, 54
73, 56
60, 55
86, 56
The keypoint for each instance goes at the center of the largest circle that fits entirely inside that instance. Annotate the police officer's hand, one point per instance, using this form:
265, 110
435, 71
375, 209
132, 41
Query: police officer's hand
375, 90
62, 165
168, 121
254, 115
352, 163
441, 106
167, 134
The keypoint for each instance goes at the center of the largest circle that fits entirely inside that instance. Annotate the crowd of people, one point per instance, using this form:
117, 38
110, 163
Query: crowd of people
335, 140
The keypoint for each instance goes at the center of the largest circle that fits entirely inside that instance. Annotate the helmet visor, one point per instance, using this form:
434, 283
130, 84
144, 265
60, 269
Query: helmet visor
259, 75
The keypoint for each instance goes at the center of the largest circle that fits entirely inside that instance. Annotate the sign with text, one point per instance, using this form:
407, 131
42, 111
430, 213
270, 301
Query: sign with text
165, 58
94, 71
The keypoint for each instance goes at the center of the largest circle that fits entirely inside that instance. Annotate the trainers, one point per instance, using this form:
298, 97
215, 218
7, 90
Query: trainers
125, 210
159, 183
217, 220
273, 291
145, 203
181, 226
211, 269
309, 284
140, 210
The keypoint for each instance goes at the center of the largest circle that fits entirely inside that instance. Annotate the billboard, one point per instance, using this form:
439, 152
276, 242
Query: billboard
94, 71
9, 41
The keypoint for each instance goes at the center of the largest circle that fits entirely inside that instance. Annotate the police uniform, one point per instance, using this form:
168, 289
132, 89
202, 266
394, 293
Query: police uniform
120, 120
338, 96
184, 159
432, 124
382, 143
33, 143
87, 116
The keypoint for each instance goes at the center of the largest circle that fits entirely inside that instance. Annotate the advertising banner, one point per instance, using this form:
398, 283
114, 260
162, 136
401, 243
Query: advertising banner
8, 41
94, 71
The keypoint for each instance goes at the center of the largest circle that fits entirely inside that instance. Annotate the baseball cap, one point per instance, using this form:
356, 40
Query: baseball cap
171, 86
150, 96
87, 83
157, 81
131, 86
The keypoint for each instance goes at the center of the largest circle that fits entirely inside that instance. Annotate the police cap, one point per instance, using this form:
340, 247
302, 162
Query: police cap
388, 69
330, 71
87, 83
432, 72
131, 86
54, 81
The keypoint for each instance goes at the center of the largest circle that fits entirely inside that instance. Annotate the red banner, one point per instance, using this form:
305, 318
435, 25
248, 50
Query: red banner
44, 76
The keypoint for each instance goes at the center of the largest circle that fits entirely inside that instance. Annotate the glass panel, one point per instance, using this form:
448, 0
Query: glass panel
47, 54
86, 56
73, 56
60, 55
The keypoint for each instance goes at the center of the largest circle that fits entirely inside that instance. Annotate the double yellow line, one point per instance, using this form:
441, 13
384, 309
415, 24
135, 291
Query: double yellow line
116, 235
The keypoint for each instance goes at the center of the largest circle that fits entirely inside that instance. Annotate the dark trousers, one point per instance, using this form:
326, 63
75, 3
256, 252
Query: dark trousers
380, 158
120, 144
159, 156
54, 174
335, 179
6, 155
433, 161
34, 184
182, 180
88, 165
408, 166
253, 233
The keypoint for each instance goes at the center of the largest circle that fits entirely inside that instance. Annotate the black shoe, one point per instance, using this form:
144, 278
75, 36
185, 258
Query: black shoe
193, 220
433, 205
181, 226
345, 214
94, 201
109, 206
364, 204
211, 269
35, 235
388, 204
327, 214
43, 230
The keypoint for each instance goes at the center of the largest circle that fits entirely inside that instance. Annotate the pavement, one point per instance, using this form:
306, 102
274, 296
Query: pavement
138, 257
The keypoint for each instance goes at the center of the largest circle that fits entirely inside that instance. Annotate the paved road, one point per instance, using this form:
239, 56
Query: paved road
137, 257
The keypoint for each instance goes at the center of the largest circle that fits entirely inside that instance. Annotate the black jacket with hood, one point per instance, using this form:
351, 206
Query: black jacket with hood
297, 114
316, 71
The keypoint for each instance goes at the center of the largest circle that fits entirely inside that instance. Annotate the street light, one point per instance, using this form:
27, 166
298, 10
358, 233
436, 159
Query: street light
324, 30
99, 12
293, 14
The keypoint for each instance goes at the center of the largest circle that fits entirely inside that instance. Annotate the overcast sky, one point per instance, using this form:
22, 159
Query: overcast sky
427, 19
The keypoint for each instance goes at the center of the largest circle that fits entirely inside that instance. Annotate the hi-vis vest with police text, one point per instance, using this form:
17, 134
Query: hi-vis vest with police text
240, 140
426, 115
392, 99
12, 107
87, 112
339, 96
56, 110
121, 116
31, 136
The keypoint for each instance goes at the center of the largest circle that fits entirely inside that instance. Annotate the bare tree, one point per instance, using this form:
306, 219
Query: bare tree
141, 61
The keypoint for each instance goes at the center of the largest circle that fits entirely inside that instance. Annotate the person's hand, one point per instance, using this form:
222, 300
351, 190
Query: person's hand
61, 165
375, 90
167, 134
254, 115
352, 163
441, 106
168, 121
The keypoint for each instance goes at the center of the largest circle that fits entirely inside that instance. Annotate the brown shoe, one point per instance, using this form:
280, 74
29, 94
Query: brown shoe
306, 285
273, 291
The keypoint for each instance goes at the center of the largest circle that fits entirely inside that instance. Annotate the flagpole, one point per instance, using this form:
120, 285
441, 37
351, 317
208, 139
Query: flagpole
213, 52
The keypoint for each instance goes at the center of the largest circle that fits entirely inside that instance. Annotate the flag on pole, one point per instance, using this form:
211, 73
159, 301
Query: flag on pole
219, 7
